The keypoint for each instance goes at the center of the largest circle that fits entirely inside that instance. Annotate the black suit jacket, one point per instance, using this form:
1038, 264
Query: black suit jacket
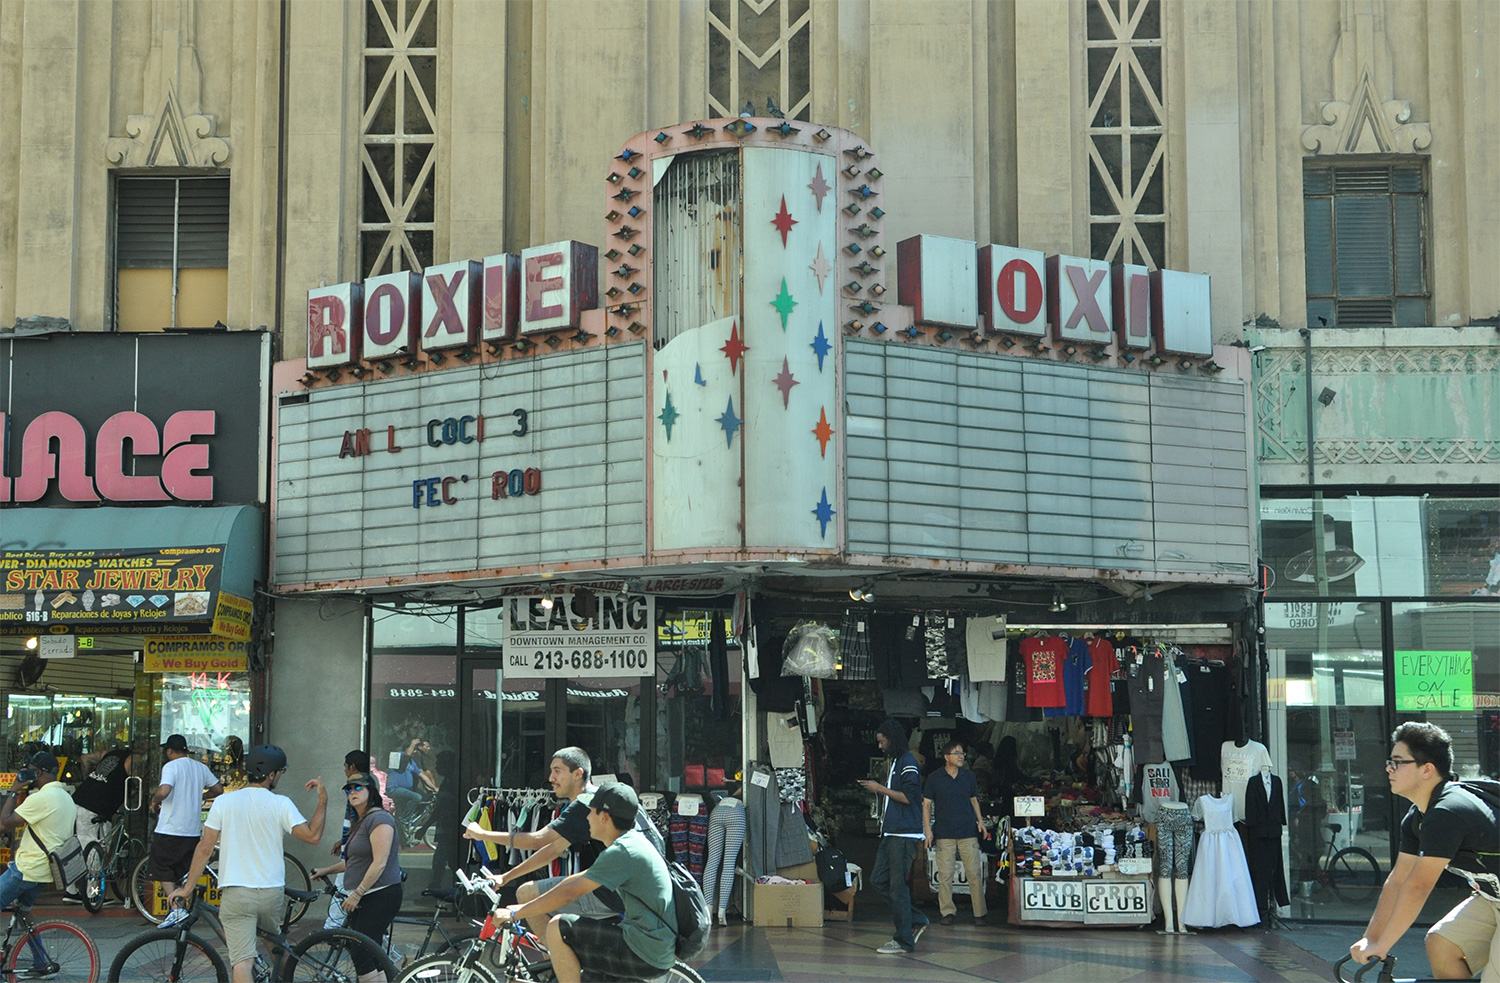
1264, 816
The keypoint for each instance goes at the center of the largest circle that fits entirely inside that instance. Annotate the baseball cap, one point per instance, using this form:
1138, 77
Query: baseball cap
364, 781
618, 800
44, 761
175, 743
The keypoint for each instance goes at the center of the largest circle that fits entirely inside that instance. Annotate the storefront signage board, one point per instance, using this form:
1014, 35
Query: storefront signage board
1431, 681
194, 653
1031, 805
108, 591
1116, 902
232, 617
57, 646
1052, 900
1344, 747
616, 639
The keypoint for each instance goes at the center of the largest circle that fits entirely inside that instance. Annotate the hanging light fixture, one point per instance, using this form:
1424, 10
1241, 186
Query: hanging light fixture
1058, 604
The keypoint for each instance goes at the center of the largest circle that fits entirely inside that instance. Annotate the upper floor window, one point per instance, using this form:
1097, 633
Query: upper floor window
171, 252
759, 51
1366, 231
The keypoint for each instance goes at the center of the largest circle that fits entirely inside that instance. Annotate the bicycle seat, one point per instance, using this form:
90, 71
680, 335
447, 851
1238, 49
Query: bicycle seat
1334, 827
306, 897
441, 893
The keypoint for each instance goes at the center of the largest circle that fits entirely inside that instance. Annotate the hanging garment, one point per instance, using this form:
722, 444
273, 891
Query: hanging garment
1158, 787
854, 644
1209, 718
1103, 665
1044, 671
784, 740
1174, 843
718, 667
1221, 892
1265, 818
935, 645
1238, 764
1075, 667
1174, 729
762, 819
1144, 678
689, 838
726, 833
984, 644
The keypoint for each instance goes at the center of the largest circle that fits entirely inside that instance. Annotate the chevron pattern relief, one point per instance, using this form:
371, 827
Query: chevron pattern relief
759, 50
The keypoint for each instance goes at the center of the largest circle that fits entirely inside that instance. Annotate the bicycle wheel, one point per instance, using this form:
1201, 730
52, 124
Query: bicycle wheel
450, 969
681, 972
58, 950
297, 880
142, 889
154, 955
93, 878
1354, 875
118, 875
456, 945
328, 955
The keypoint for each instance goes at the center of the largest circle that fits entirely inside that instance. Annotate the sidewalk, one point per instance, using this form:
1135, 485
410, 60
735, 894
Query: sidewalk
959, 952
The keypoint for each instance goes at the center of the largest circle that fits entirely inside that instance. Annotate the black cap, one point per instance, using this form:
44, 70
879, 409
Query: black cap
44, 761
618, 800
175, 743
366, 782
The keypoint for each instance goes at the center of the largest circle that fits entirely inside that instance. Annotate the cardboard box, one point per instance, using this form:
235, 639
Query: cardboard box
847, 915
801, 872
799, 905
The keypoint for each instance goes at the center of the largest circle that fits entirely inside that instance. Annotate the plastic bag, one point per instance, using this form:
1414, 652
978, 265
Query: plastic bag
811, 650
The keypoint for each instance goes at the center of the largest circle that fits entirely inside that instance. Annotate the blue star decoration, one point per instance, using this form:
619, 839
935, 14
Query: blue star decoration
821, 346
668, 415
698, 374
824, 512
730, 423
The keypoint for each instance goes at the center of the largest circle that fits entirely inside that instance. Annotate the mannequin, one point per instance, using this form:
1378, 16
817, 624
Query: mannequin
1265, 818
1174, 845
726, 834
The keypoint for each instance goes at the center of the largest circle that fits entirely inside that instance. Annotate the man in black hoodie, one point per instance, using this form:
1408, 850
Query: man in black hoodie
900, 837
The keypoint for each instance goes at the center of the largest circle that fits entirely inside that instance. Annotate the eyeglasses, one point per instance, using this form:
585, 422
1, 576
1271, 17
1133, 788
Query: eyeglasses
1391, 764
954, 754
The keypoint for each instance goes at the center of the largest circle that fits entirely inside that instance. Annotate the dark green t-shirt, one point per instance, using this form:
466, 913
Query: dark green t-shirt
631, 867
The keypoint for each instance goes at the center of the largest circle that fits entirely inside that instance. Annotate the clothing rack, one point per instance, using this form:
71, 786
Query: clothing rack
487, 792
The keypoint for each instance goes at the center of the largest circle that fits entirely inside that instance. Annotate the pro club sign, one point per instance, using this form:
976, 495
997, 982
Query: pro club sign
544, 288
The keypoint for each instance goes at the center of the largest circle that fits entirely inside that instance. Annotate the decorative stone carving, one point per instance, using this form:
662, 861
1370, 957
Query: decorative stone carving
171, 130
1367, 120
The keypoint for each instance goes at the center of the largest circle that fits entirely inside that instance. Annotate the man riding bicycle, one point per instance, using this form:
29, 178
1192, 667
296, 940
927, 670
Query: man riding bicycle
641, 945
1450, 826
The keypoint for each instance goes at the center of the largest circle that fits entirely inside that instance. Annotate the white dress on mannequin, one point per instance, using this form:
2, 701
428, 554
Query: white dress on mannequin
1220, 893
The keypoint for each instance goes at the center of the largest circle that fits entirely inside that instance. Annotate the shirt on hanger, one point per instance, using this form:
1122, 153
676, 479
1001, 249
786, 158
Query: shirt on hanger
1238, 764
1102, 666
1075, 667
985, 640
1044, 671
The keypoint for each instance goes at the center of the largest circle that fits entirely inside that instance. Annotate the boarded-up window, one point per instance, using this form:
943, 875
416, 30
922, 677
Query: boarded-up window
1365, 227
697, 231
171, 252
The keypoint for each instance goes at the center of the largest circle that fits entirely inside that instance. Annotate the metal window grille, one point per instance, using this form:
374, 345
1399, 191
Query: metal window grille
1127, 142
398, 135
759, 49
1365, 228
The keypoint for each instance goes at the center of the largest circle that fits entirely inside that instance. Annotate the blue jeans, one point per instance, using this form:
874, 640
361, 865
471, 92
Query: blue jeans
14, 889
892, 865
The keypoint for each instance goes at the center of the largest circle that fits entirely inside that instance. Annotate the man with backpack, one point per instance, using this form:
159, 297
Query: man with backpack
643, 943
1452, 825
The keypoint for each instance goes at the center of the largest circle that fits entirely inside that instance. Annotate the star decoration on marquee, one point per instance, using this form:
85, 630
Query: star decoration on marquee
668, 415
729, 422
824, 512
823, 431
783, 303
698, 374
819, 187
783, 221
821, 345
785, 382
734, 349
821, 268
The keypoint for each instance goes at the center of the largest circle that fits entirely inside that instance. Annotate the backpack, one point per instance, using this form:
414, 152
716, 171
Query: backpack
691, 908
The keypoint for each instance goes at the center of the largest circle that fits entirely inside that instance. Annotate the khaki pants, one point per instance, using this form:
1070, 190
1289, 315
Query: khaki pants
973, 858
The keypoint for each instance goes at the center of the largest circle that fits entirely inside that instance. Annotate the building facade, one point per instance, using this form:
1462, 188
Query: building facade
1329, 166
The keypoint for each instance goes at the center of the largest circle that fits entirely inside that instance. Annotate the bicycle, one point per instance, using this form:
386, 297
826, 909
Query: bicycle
447, 903
519, 955
416, 826
143, 888
1352, 873
1387, 971
108, 867
59, 950
175, 953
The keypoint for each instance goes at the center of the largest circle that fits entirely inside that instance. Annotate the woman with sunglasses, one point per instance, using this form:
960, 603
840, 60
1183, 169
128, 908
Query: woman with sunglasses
372, 870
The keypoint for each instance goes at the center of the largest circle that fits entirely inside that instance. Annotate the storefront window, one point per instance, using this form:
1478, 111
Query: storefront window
1329, 734
206, 708
697, 736
503, 718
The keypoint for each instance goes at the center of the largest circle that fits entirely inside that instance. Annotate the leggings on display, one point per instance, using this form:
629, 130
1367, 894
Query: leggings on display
1174, 843
726, 832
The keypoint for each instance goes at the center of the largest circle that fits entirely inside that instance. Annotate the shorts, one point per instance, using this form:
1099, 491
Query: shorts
589, 905
242, 910
1474, 926
600, 947
171, 857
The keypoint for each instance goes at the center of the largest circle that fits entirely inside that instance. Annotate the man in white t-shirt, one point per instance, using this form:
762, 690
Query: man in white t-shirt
247, 825
178, 803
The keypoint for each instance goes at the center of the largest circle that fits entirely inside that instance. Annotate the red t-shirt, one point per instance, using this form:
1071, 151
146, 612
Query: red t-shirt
1097, 700
1044, 671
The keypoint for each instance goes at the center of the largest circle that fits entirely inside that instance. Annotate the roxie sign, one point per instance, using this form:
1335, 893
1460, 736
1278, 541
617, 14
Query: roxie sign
1068, 299
544, 288
117, 475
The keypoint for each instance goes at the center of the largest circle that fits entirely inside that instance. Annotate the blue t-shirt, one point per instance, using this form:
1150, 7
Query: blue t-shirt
952, 812
1074, 668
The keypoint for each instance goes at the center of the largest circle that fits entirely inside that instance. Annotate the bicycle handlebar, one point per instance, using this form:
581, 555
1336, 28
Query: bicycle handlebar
477, 886
1387, 970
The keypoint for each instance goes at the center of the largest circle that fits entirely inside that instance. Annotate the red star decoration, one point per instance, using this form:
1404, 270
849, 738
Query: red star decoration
783, 221
734, 348
785, 382
823, 431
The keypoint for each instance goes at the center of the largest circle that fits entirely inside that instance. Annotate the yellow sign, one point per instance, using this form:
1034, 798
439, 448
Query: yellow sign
195, 653
690, 630
232, 617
